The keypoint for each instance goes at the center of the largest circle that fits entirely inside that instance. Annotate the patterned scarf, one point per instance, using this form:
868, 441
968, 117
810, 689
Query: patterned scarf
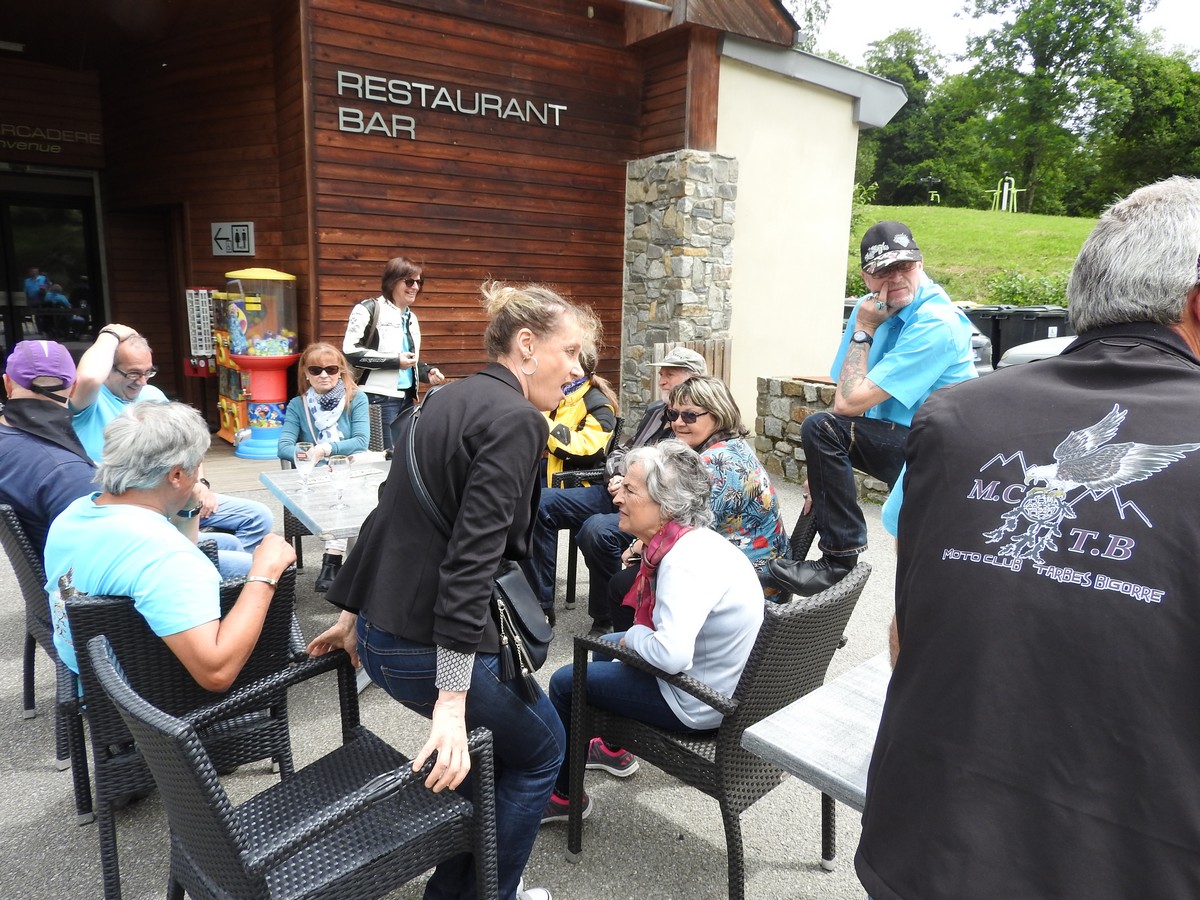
325, 410
641, 596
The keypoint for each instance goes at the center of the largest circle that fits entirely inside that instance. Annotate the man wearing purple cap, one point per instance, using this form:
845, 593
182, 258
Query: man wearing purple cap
905, 340
43, 466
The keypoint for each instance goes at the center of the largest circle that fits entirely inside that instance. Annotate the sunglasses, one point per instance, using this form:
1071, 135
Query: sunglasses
414, 282
314, 371
135, 375
900, 268
689, 418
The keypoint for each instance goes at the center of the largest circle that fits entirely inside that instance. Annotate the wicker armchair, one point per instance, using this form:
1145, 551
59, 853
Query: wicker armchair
68, 724
293, 528
578, 478
789, 659
260, 733
356, 823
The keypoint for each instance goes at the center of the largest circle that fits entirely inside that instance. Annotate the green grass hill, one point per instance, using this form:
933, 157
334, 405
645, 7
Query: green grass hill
984, 256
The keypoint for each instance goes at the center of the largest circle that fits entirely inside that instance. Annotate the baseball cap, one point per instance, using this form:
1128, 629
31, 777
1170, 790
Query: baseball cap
683, 358
886, 243
47, 362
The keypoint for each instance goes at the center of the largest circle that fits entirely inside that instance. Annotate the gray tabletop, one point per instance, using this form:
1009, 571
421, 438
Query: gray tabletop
826, 737
315, 508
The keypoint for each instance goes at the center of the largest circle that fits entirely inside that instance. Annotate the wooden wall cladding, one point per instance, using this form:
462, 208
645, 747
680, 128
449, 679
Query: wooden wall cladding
139, 257
471, 195
50, 116
665, 101
192, 122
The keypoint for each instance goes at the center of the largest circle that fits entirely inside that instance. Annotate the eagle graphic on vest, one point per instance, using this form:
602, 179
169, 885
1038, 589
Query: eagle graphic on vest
1085, 459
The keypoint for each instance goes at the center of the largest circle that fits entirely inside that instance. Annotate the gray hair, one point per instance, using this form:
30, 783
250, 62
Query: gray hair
1139, 263
146, 441
676, 480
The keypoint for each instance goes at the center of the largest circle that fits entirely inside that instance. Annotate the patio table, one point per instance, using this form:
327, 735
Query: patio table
315, 508
827, 736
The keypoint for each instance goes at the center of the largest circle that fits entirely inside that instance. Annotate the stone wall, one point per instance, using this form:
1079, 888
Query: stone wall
679, 216
783, 403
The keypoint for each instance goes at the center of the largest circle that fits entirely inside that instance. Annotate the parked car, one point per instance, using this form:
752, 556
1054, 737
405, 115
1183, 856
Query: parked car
981, 347
1034, 350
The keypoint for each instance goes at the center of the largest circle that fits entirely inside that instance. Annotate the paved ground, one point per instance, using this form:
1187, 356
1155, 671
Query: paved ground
649, 837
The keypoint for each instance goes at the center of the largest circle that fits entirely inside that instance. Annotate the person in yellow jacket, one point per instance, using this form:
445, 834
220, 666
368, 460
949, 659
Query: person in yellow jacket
582, 424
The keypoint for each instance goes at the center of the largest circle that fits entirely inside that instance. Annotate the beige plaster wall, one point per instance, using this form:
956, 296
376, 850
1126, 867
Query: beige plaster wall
795, 148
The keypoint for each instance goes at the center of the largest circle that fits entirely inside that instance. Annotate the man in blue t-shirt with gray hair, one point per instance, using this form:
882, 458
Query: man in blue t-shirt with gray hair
904, 340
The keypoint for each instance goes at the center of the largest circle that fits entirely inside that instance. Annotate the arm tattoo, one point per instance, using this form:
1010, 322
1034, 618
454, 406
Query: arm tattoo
854, 369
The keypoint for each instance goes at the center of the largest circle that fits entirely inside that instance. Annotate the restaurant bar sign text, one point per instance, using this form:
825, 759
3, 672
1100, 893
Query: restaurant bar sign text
415, 95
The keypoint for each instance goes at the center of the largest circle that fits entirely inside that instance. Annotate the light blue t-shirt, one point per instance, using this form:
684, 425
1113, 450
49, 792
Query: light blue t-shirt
129, 551
923, 347
89, 423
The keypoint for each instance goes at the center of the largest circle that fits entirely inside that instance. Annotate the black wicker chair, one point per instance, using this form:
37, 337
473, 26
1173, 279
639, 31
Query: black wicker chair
580, 478
68, 724
356, 823
789, 659
293, 528
120, 772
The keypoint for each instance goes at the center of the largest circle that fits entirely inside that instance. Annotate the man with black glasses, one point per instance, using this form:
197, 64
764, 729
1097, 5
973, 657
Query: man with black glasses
114, 373
904, 340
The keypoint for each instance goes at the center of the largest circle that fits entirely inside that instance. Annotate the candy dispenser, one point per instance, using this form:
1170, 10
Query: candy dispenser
260, 314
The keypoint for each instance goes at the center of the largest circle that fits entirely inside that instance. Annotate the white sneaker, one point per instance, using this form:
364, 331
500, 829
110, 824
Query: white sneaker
532, 893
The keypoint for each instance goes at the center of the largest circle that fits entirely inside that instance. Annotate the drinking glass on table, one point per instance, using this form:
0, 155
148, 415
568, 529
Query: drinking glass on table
339, 474
304, 463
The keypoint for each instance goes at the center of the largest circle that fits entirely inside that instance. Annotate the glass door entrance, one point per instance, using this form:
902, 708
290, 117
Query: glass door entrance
50, 277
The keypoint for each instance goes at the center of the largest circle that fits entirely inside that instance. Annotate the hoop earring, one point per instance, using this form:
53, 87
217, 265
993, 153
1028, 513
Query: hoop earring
535, 366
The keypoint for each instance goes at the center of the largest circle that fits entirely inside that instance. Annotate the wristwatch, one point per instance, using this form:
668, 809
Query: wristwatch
190, 513
861, 337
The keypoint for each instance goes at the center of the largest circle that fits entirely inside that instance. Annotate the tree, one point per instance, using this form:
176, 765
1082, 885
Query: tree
900, 154
1153, 132
810, 15
1047, 71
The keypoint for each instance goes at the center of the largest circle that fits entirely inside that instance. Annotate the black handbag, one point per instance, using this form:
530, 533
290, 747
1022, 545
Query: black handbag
525, 632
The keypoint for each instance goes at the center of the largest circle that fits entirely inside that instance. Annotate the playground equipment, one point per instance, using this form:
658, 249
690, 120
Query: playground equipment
1004, 197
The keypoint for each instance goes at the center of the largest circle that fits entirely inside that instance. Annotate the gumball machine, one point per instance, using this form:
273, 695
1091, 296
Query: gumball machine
260, 312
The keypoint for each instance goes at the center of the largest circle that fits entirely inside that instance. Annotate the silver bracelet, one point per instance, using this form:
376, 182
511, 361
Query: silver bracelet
264, 579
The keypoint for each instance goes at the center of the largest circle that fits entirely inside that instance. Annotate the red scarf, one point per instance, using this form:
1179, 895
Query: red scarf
641, 596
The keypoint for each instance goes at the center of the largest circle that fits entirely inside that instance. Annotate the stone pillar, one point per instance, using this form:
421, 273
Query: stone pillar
783, 403
679, 216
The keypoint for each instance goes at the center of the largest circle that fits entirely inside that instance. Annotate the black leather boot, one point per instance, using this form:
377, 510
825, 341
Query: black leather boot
807, 577
331, 564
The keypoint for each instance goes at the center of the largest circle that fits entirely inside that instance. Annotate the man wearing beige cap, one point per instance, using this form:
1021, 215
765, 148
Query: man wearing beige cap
43, 466
589, 511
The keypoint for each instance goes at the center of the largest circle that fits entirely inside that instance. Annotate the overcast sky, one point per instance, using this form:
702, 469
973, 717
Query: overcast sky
853, 24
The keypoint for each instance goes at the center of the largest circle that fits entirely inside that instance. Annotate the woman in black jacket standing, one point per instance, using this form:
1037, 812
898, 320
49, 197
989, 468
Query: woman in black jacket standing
423, 628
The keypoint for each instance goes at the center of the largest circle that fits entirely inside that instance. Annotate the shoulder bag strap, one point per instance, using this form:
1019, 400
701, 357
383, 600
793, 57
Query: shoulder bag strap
372, 333
414, 473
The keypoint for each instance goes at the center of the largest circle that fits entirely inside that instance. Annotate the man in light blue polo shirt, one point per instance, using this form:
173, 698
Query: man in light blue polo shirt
905, 340
114, 373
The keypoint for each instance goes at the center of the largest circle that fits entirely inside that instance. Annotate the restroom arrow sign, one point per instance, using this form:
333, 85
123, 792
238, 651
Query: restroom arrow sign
232, 238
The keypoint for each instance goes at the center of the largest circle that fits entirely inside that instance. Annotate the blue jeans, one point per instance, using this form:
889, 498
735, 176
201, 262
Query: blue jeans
615, 687
527, 739
560, 508
601, 542
232, 560
248, 520
833, 447
389, 411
